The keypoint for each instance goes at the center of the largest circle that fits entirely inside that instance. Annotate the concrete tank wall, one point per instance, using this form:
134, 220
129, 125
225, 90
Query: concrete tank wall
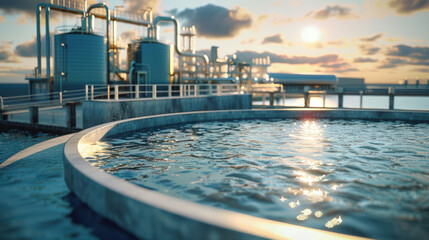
98, 112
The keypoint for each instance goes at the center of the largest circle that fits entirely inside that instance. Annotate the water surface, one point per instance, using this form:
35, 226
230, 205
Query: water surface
356, 177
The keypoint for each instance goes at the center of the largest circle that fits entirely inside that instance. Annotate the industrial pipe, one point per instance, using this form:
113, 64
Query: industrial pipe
177, 40
103, 5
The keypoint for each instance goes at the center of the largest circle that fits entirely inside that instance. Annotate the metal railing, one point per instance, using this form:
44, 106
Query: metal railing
118, 92
23, 102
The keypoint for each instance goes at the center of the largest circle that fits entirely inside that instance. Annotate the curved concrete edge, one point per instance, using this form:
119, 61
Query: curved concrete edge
149, 214
35, 149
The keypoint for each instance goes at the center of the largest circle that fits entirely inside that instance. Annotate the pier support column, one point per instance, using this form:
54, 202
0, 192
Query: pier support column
391, 98
34, 114
340, 97
306, 96
271, 99
3, 115
71, 115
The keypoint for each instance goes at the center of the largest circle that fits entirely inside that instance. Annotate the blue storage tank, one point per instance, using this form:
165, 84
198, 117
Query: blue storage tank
80, 59
153, 62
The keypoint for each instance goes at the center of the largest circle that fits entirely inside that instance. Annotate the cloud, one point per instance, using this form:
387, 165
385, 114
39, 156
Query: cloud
396, 62
316, 45
424, 70
339, 67
262, 18
248, 41
273, 39
368, 49
281, 20
337, 43
29, 48
137, 5
6, 55
418, 53
408, 6
364, 60
372, 39
278, 58
28, 8
215, 21
129, 35
336, 11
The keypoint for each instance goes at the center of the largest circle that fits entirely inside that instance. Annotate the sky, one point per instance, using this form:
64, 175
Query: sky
383, 41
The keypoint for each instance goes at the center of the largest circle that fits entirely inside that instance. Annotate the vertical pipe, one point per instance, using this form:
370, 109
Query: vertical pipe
39, 43
48, 44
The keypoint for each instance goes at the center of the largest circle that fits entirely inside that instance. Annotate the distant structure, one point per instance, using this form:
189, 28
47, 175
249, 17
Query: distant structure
82, 55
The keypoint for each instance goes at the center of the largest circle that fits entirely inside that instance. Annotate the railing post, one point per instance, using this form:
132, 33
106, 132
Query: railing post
92, 92
108, 92
195, 90
137, 91
61, 97
391, 98
116, 92
34, 114
86, 92
154, 93
181, 90
71, 115
169, 90
360, 99
218, 89
263, 99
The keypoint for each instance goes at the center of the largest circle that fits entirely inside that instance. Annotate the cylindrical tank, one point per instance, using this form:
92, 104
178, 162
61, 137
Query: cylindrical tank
153, 61
80, 59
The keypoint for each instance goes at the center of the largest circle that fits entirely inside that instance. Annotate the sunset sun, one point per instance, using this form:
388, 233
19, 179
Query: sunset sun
310, 34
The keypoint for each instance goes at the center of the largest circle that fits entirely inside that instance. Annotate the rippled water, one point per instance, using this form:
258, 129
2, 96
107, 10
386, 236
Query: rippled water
357, 177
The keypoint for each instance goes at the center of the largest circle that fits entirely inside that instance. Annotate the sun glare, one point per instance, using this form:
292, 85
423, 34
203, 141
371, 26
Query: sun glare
310, 34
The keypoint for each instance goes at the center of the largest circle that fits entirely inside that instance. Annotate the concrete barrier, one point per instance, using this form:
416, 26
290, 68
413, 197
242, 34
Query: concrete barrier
152, 215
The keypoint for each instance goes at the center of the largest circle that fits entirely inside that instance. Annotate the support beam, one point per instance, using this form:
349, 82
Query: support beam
71, 114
